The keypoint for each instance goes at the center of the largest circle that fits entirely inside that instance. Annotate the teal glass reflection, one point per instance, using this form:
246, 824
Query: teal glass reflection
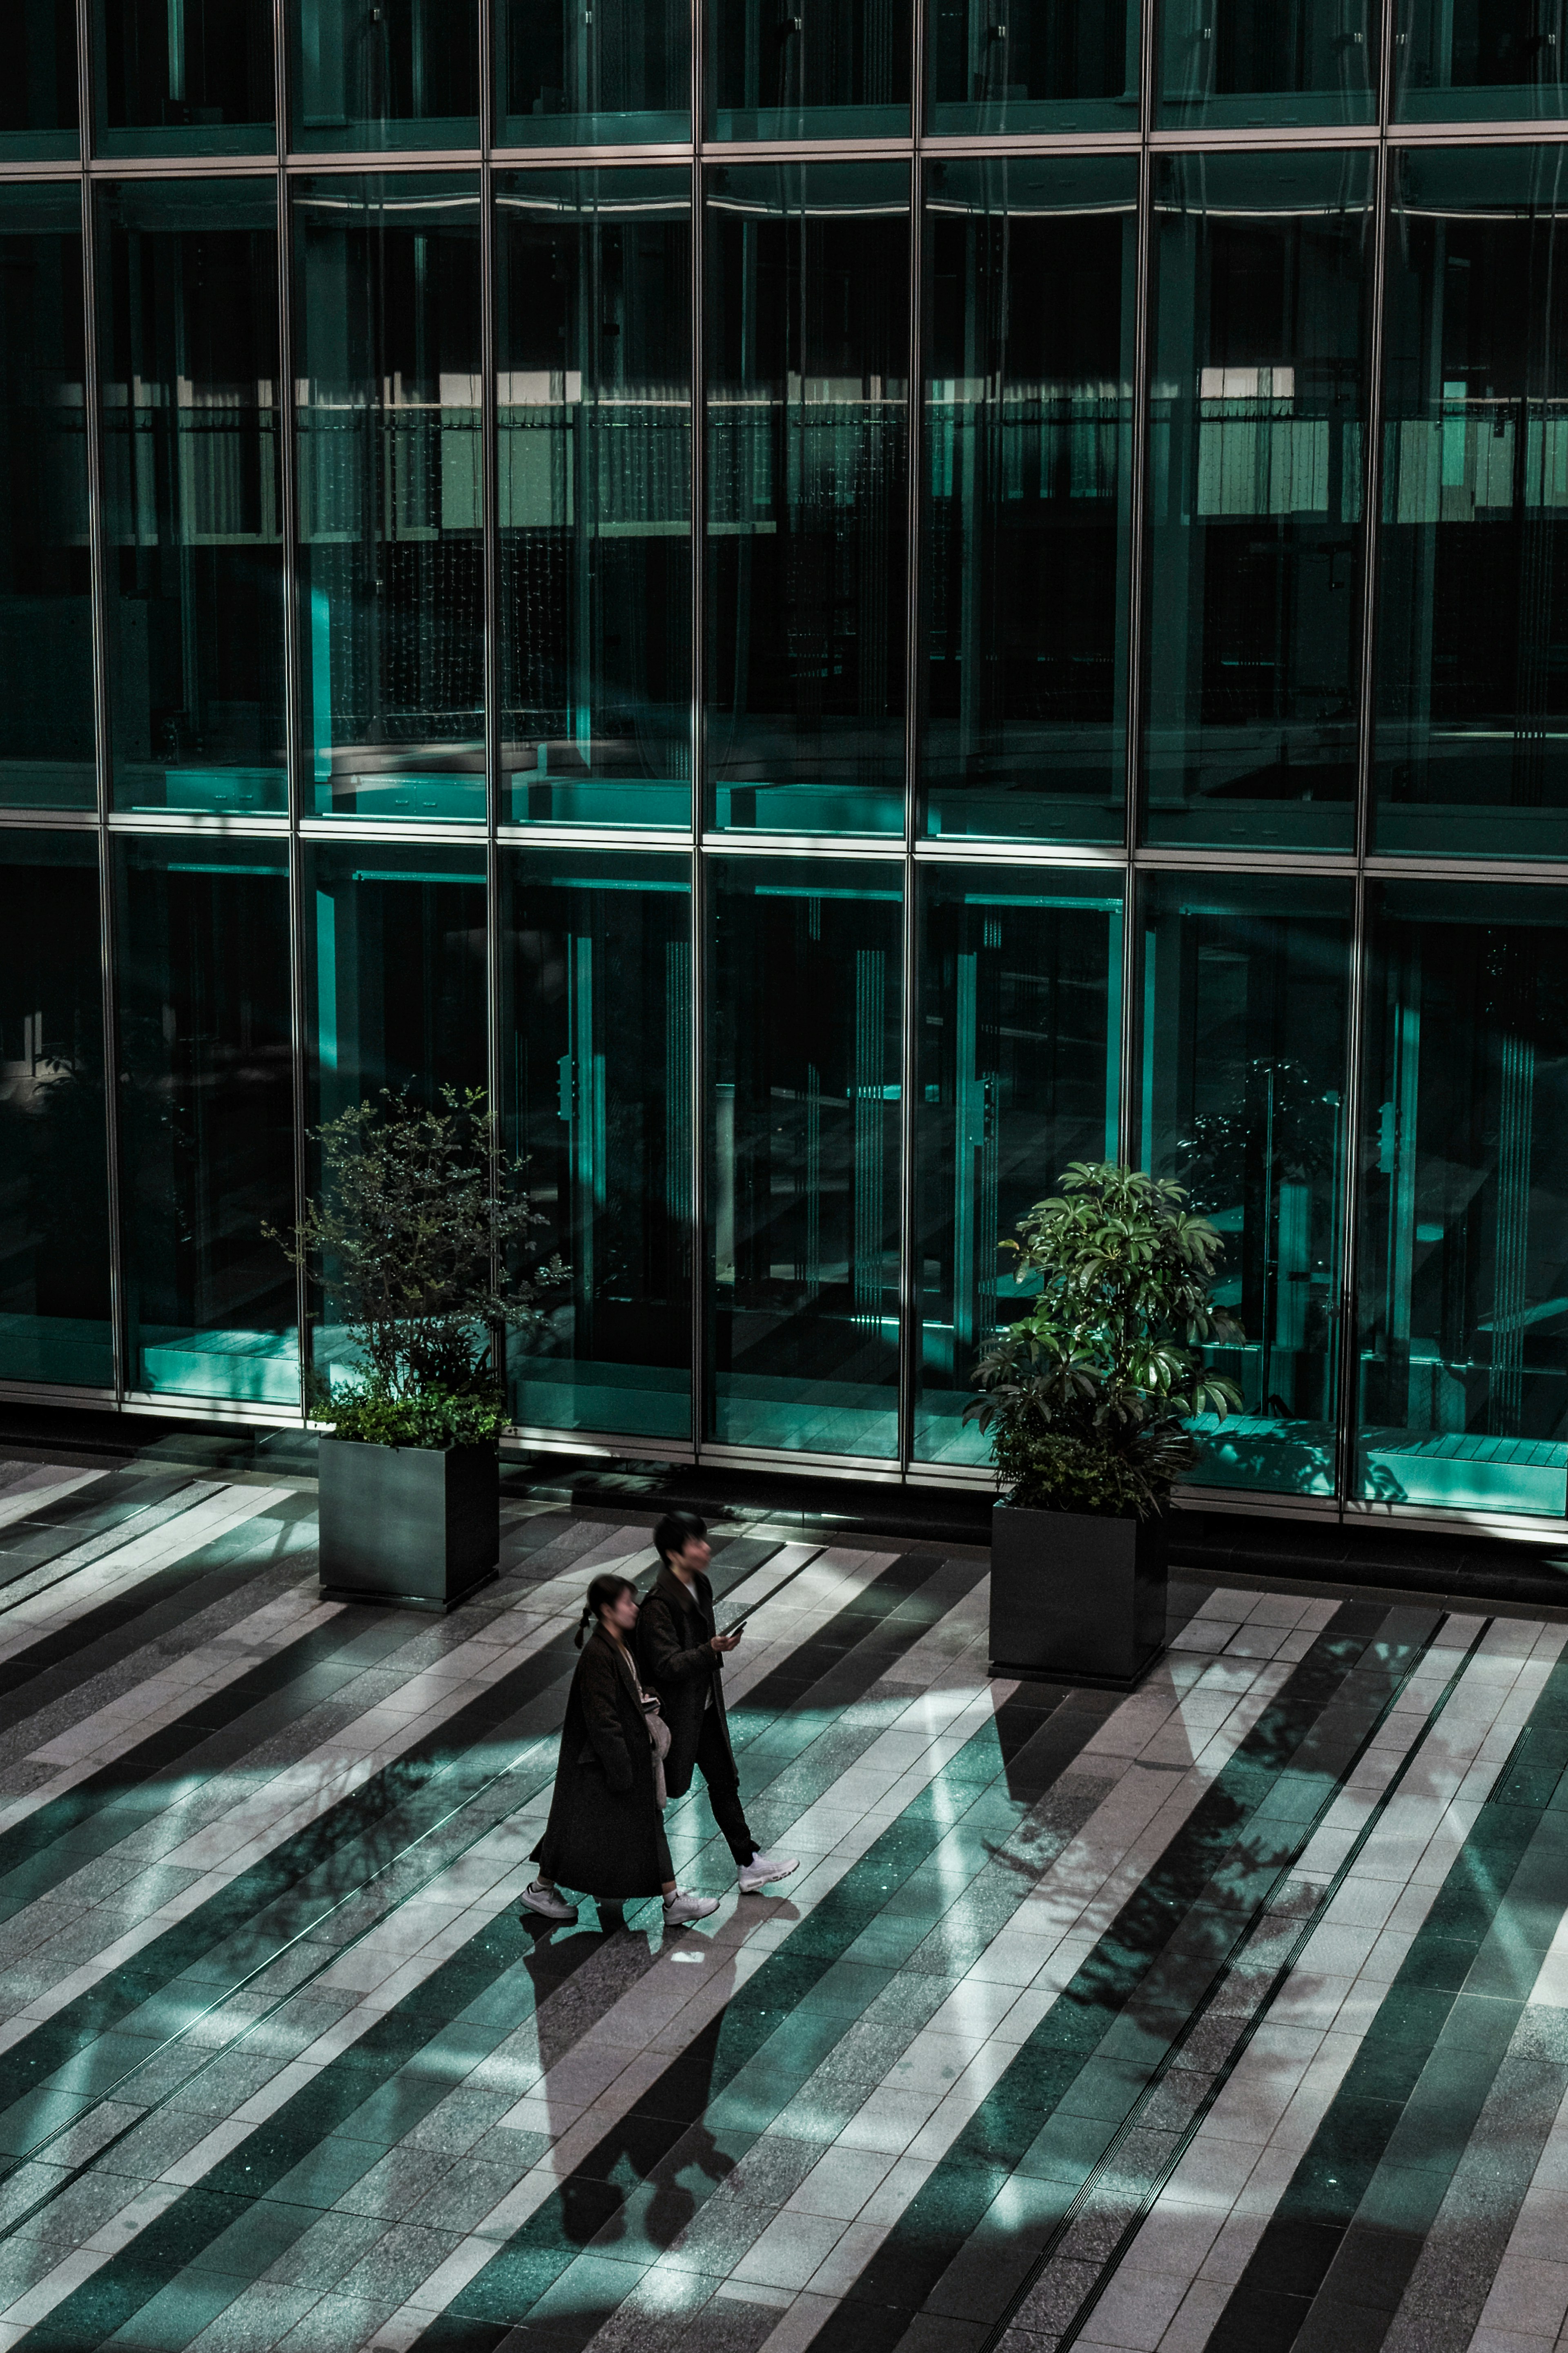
206, 1118
193, 501
1246, 1004
1470, 756
1237, 64
596, 1017
607, 76
1255, 466
38, 105
803, 1206
183, 77
396, 994
1463, 1248
1011, 66
818, 69
384, 74
807, 419
45, 608
54, 1166
1479, 61
594, 416
1019, 1034
1030, 269
387, 363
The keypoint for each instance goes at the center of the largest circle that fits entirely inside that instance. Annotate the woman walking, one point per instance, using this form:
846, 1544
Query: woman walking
604, 1833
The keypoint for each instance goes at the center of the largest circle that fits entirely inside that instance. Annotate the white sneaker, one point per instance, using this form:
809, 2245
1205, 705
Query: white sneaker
763, 1867
681, 1907
549, 1903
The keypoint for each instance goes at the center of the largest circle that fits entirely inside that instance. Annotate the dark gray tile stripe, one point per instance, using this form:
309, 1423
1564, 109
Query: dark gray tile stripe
418, 2007
1344, 2237
1237, 2005
728, 1572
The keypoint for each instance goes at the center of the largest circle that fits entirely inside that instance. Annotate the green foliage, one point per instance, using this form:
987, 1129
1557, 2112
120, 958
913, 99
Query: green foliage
422, 1233
1087, 1396
437, 1417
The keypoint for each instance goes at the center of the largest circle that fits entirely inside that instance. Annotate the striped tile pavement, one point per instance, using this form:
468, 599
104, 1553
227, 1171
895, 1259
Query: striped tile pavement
1229, 2015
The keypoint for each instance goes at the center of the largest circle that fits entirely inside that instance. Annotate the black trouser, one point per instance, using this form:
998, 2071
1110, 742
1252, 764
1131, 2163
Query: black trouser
717, 1767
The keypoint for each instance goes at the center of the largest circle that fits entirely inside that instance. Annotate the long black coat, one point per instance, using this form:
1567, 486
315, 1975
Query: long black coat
673, 1628
604, 1834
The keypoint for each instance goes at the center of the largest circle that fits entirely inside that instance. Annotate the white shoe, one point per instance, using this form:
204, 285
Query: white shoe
549, 1903
681, 1907
763, 1867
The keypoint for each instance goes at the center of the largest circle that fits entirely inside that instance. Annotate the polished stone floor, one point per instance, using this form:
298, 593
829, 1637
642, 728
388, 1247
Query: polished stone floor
1231, 2015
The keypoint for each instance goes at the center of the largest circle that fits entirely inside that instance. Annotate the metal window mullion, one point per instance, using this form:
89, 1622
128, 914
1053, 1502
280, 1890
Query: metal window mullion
293, 722
489, 559
1128, 1140
914, 459
1348, 1414
98, 558
697, 964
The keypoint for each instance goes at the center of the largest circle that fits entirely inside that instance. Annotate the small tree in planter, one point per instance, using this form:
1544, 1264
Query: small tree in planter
420, 1215
1086, 1399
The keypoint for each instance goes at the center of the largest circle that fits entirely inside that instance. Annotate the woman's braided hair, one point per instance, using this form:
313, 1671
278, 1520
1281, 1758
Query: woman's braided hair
603, 1592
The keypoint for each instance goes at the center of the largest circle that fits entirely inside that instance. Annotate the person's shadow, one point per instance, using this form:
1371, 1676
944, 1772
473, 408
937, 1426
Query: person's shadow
631, 2178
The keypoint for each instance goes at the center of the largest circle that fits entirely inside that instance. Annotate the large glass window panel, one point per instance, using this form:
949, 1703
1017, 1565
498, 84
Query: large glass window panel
1246, 983
193, 514
39, 106
593, 343
1031, 65
803, 1206
54, 1190
387, 362
1233, 64
1018, 1037
46, 602
1256, 465
596, 1018
807, 408
395, 958
1479, 61
606, 76
821, 69
1463, 1247
184, 77
384, 73
1471, 747
206, 1118
1030, 266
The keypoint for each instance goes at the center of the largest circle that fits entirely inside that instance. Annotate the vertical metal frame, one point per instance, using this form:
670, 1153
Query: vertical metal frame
1349, 1350
97, 561
697, 903
914, 813
299, 904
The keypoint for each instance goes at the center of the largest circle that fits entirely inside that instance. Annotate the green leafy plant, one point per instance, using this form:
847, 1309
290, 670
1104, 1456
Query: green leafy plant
1087, 1396
423, 1232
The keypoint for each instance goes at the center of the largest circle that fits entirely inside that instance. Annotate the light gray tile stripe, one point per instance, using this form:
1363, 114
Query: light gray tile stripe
1202, 2229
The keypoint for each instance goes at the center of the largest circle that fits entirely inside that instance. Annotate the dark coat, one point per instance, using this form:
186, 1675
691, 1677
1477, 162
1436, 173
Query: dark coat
673, 1628
604, 1834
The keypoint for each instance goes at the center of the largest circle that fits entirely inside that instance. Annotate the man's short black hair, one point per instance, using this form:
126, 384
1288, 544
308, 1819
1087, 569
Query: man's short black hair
676, 1531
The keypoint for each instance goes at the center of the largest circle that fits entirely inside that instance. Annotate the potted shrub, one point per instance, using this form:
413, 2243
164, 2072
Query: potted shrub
1086, 1399
421, 1232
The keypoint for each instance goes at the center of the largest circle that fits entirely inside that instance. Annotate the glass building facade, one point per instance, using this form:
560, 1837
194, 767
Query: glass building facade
843, 608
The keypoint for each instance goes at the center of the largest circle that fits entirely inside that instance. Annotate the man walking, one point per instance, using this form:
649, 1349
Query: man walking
681, 1655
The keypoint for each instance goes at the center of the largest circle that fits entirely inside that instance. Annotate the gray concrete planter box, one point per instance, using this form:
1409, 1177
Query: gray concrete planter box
1076, 1597
412, 1524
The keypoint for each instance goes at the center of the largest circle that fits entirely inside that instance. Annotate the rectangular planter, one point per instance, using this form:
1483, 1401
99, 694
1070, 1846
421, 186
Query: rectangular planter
415, 1524
1076, 1597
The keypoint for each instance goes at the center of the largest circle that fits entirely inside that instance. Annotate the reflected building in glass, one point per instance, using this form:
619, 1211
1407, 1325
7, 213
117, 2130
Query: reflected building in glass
843, 605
